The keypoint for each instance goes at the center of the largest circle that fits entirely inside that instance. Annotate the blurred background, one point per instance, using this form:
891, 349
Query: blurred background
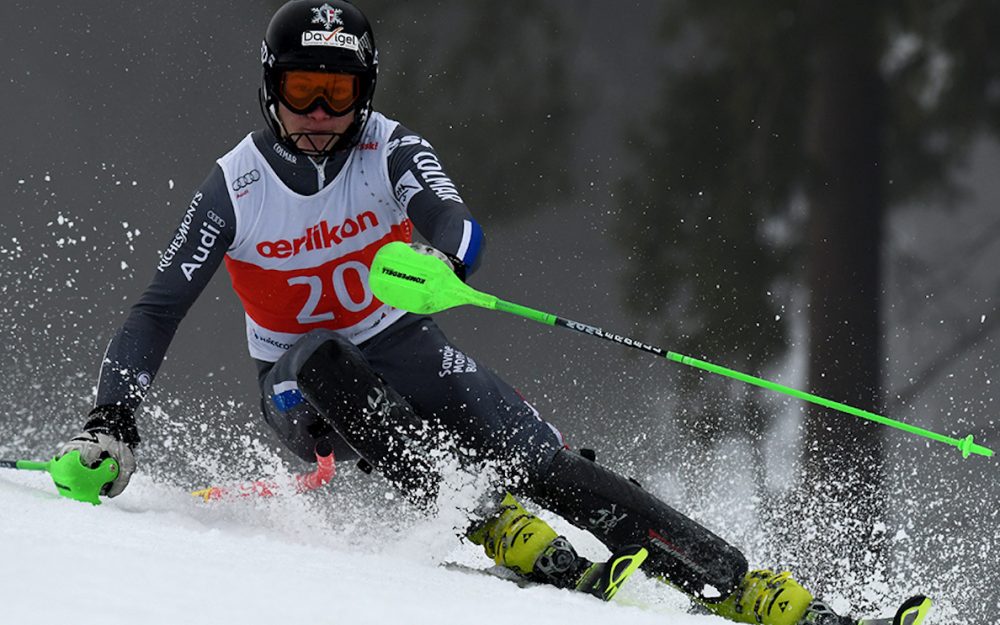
805, 191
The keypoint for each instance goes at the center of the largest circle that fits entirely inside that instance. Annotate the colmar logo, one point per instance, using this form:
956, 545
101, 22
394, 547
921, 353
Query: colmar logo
438, 181
281, 151
319, 237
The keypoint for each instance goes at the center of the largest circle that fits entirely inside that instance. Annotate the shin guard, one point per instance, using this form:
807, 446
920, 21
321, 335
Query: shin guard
620, 513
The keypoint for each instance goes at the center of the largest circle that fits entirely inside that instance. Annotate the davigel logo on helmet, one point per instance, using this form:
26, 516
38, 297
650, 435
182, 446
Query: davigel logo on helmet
319, 237
336, 39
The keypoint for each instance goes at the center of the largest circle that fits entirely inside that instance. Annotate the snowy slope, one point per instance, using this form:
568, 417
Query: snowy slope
156, 555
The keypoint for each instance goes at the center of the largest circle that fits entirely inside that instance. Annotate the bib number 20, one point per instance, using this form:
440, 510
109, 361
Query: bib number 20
342, 295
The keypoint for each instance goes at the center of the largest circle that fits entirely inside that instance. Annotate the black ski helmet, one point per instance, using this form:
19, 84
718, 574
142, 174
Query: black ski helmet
321, 35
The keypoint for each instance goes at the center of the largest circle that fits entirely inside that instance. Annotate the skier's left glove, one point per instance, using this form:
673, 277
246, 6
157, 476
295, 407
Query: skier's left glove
108, 434
454, 262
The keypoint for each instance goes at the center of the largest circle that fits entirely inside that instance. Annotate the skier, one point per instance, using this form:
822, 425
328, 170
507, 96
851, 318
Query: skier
296, 211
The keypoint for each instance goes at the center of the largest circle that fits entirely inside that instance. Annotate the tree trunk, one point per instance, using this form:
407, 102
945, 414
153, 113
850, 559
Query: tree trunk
844, 457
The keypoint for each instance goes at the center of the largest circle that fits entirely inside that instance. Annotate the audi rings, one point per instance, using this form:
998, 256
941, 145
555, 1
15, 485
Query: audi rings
246, 180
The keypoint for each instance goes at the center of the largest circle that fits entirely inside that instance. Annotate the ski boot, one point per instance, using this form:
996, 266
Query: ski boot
520, 541
769, 598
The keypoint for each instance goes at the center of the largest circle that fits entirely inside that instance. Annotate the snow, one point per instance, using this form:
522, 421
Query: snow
156, 555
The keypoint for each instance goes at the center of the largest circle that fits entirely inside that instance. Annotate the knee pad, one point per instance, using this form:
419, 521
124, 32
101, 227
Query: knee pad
619, 513
369, 415
302, 430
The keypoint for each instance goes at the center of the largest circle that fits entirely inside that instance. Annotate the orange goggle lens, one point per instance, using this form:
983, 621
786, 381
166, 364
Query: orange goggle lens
301, 89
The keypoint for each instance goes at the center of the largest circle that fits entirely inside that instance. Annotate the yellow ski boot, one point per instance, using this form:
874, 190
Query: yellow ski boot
766, 598
769, 598
527, 545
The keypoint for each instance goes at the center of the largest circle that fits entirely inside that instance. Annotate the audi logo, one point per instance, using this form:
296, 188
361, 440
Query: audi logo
246, 179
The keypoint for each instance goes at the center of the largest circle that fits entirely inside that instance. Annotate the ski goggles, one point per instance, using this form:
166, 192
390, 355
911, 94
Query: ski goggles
302, 91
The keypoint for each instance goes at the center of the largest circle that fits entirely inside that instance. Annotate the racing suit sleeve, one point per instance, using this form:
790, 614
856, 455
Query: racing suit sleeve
431, 200
186, 266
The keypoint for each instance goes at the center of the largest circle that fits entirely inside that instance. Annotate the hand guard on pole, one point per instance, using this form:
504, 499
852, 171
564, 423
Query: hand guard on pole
96, 444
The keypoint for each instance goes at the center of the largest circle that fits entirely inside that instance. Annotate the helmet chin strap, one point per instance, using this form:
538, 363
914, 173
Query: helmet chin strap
329, 139
311, 137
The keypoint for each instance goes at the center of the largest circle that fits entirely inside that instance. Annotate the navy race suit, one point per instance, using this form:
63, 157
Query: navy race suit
338, 369
297, 236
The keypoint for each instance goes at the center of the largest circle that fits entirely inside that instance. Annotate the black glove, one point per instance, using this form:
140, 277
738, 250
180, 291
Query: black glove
454, 262
110, 432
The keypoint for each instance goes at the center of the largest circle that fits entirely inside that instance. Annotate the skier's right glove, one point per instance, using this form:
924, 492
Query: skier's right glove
454, 262
110, 433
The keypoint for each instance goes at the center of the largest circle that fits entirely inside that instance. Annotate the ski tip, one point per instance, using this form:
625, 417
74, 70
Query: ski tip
913, 611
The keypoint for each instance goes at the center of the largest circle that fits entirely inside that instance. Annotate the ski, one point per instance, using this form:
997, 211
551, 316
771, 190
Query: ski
913, 611
498, 572
325, 470
600, 579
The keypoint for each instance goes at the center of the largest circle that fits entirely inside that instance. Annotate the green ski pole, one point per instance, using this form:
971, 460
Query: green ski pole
418, 283
72, 478
24, 465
